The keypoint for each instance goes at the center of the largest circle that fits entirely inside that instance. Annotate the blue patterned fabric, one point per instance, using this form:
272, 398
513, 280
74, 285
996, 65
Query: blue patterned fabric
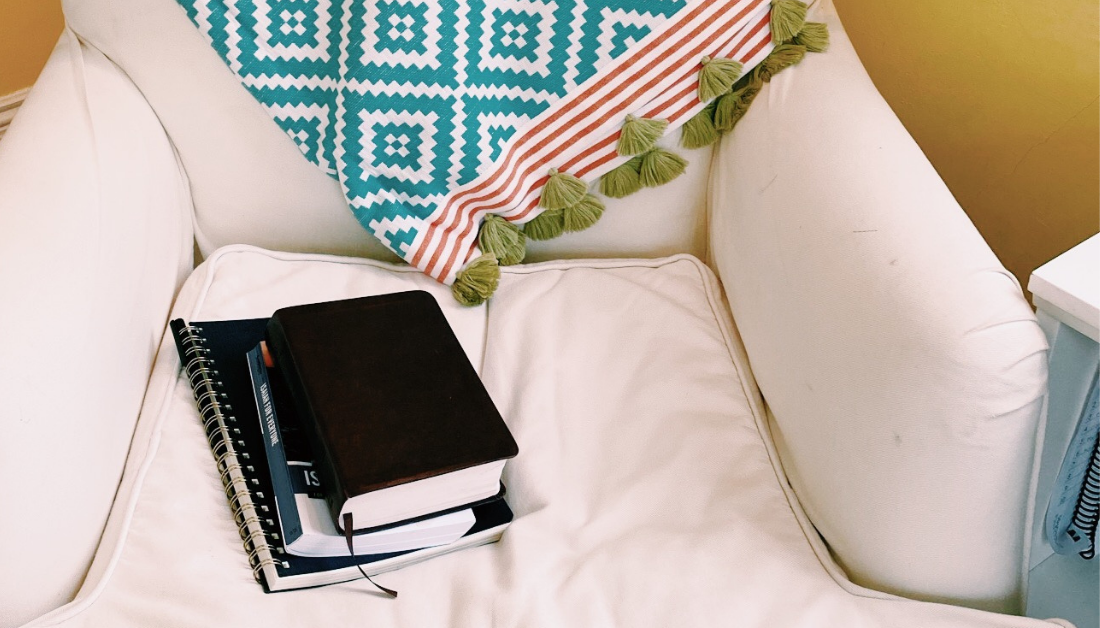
404, 100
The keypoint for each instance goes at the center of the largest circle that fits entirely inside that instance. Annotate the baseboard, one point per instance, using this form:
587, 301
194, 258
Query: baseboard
9, 104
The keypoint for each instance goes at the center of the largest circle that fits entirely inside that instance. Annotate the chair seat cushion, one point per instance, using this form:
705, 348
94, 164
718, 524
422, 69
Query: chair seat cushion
646, 491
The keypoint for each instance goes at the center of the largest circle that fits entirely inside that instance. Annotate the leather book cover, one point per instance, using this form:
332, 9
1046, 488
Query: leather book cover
386, 392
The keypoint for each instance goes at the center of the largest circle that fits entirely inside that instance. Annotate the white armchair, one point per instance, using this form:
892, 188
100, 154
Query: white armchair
891, 372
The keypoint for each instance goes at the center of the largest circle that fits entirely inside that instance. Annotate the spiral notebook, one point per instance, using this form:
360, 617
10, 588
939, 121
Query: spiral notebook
1074, 507
213, 357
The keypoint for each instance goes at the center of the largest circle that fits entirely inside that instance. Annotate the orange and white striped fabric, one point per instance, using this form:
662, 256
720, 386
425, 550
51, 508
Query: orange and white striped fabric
658, 78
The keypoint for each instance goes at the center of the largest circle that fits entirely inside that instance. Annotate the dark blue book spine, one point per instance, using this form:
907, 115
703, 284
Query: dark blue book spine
281, 483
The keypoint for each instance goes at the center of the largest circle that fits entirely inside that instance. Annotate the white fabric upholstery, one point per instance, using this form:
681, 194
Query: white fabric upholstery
848, 265
903, 366
645, 490
251, 183
95, 238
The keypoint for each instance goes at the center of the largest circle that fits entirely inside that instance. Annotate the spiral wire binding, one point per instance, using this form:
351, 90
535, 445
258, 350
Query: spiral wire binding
219, 424
1086, 513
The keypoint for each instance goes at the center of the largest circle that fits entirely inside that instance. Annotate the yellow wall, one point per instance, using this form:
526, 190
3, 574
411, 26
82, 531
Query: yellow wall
28, 31
1003, 98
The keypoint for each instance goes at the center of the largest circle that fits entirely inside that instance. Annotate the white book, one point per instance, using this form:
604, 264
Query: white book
316, 535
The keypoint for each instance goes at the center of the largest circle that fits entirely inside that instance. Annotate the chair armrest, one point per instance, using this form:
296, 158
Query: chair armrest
903, 369
95, 237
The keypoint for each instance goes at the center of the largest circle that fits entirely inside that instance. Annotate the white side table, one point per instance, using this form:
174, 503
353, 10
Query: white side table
1066, 292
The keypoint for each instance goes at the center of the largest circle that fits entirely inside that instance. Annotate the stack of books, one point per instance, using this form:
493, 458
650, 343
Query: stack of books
354, 437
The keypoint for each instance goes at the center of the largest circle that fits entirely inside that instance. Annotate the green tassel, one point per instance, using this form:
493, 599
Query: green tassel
716, 77
699, 131
621, 181
787, 19
659, 166
726, 111
751, 77
478, 281
584, 214
749, 92
814, 36
731, 107
782, 57
562, 190
639, 135
503, 239
546, 226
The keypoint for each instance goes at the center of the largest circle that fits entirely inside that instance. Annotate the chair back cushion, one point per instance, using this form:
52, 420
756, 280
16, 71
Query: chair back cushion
251, 183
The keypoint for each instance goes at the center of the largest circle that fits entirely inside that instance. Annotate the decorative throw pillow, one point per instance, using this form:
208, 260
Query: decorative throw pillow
460, 128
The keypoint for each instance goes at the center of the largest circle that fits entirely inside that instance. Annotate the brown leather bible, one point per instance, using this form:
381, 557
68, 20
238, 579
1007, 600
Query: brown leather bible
398, 418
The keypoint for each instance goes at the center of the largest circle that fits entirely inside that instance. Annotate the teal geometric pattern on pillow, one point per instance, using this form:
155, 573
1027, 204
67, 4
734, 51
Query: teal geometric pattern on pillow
429, 112
461, 75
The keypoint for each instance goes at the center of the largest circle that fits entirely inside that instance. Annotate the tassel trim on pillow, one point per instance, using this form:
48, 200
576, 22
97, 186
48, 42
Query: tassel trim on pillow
659, 166
699, 131
562, 190
781, 58
478, 281
787, 18
639, 135
567, 204
546, 226
730, 108
717, 77
814, 36
722, 114
622, 180
583, 212
502, 239
582, 215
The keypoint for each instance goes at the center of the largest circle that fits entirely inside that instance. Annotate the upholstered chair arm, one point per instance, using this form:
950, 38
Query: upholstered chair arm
95, 237
904, 371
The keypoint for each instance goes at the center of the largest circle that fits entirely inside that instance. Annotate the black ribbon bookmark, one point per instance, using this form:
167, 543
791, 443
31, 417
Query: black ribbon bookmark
348, 529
